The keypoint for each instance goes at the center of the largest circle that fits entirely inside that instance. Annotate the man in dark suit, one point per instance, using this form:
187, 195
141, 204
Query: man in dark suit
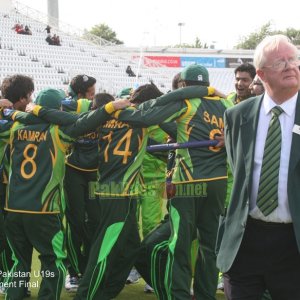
261, 244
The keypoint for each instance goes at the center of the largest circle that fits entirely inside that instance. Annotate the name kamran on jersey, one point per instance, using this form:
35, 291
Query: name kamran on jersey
31, 135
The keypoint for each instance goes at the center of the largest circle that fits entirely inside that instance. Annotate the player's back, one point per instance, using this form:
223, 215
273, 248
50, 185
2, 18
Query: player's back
37, 168
121, 152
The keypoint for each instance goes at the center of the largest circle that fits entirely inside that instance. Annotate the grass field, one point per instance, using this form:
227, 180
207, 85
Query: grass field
130, 292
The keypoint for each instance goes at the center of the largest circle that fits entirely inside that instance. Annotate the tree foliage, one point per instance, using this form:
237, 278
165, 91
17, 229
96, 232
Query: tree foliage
198, 44
253, 39
105, 32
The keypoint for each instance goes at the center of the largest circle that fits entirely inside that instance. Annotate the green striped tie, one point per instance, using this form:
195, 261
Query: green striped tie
267, 198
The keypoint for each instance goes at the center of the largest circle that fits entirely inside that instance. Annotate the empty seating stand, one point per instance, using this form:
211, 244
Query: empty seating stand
54, 66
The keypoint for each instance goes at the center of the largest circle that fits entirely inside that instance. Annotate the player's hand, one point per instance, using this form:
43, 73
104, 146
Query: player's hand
220, 139
29, 107
5, 103
171, 190
220, 94
121, 103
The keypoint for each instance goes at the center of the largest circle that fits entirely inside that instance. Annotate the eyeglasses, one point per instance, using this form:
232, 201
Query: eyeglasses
282, 64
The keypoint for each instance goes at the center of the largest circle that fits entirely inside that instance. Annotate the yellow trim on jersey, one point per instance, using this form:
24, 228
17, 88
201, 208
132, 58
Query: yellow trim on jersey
57, 138
78, 109
189, 108
188, 174
117, 113
216, 98
11, 139
14, 115
33, 212
77, 168
53, 156
130, 181
5, 179
109, 107
36, 110
210, 90
201, 180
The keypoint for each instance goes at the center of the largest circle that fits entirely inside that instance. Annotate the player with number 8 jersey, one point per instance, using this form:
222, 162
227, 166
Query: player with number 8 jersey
35, 193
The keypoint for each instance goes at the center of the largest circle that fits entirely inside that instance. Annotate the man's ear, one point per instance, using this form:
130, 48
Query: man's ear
261, 74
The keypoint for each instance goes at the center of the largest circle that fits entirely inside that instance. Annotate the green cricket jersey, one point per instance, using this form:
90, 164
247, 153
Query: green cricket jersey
233, 98
157, 136
83, 155
122, 149
197, 119
37, 158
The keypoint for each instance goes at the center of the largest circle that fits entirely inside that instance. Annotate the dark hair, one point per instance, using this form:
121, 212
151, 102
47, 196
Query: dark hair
175, 81
81, 83
145, 92
16, 87
101, 99
246, 67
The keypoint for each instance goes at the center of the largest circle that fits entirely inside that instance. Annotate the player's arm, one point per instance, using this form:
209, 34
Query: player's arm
90, 121
149, 113
41, 115
163, 109
170, 128
189, 92
20, 116
53, 116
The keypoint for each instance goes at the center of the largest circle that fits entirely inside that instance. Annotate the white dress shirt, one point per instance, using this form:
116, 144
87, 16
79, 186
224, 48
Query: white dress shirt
282, 213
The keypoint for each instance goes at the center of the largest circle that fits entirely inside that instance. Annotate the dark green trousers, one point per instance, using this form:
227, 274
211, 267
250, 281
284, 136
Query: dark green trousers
113, 251
197, 207
42, 232
152, 258
78, 227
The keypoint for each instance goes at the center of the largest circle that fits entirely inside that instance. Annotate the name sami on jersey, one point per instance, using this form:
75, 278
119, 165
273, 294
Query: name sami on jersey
115, 124
213, 120
31, 135
92, 135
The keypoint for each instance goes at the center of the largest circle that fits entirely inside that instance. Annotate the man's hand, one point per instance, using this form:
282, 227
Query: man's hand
121, 103
29, 107
5, 103
220, 94
220, 139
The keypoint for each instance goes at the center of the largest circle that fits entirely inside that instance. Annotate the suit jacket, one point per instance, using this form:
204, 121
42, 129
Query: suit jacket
240, 135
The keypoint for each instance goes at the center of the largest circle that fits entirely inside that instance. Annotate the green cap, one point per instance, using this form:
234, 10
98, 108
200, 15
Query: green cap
50, 98
124, 93
195, 73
